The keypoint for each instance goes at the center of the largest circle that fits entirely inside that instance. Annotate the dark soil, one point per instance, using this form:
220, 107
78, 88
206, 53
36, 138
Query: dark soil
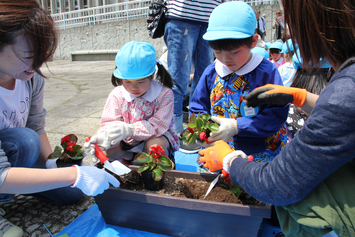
189, 188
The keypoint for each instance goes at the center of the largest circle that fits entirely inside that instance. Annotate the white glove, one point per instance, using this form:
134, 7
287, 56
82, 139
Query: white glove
227, 129
118, 131
93, 181
227, 160
51, 163
101, 140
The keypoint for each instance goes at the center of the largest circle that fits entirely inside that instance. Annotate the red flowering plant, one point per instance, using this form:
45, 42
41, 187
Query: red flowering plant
69, 153
199, 128
155, 162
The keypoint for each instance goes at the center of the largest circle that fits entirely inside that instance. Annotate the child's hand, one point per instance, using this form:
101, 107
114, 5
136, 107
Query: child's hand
276, 94
118, 131
228, 128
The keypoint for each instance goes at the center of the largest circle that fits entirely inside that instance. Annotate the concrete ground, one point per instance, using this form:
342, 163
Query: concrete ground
75, 94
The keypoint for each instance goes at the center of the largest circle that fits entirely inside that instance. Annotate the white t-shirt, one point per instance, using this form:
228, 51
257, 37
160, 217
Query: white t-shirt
14, 106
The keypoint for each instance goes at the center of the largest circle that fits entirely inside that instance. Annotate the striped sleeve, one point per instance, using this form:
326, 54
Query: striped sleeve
191, 10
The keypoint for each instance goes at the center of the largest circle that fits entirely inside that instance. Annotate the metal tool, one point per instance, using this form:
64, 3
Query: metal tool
118, 168
213, 183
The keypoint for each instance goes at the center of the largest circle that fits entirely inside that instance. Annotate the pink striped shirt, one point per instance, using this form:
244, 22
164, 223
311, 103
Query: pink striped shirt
151, 118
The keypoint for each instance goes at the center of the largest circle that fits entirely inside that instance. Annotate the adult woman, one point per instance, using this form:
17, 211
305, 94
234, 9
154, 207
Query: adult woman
29, 39
311, 181
278, 25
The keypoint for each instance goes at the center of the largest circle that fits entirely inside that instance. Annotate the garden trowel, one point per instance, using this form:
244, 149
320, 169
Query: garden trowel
213, 183
115, 167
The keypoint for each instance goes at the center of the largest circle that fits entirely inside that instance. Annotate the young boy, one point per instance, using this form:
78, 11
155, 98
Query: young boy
235, 73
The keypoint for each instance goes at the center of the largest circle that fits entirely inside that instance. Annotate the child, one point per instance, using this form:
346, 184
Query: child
139, 111
275, 52
287, 71
235, 73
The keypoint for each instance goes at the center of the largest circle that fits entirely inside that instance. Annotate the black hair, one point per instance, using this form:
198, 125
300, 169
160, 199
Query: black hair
273, 50
163, 77
230, 44
313, 81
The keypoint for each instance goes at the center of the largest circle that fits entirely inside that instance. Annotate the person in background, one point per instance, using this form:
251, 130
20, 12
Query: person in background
259, 132
279, 25
260, 25
186, 23
275, 52
139, 110
314, 81
311, 181
29, 39
287, 70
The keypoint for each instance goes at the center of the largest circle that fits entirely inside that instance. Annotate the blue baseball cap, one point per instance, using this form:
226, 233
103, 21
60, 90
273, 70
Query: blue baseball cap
267, 45
261, 51
276, 45
297, 61
231, 20
135, 60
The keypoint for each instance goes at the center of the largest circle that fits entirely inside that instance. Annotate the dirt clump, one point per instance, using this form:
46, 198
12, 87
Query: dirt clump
189, 188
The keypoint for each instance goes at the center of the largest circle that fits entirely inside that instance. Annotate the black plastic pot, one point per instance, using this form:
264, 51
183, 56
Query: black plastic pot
150, 183
69, 163
176, 216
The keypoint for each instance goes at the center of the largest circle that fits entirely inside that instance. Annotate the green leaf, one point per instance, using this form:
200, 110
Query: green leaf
143, 168
164, 160
73, 137
192, 123
157, 174
205, 116
236, 190
58, 149
199, 124
193, 138
213, 127
143, 158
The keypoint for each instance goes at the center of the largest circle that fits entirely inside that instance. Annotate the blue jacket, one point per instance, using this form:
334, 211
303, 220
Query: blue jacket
324, 144
222, 96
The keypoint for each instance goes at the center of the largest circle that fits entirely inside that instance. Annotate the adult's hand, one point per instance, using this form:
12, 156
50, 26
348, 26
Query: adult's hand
212, 157
276, 94
228, 128
118, 131
93, 181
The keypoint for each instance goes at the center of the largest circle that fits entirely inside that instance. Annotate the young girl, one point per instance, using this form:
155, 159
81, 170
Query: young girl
287, 70
275, 52
139, 111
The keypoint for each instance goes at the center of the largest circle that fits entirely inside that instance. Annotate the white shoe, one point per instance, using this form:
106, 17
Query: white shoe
7, 229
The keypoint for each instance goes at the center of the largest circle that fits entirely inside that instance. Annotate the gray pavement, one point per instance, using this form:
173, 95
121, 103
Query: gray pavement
75, 94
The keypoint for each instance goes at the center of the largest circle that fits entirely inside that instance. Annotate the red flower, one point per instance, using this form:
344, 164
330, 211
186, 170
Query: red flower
156, 151
202, 136
65, 139
227, 177
207, 141
70, 146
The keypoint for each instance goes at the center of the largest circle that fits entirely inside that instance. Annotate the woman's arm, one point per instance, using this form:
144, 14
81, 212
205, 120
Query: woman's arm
310, 102
28, 180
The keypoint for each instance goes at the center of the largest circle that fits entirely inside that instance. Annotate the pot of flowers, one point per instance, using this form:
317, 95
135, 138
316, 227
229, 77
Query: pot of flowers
70, 153
199, 129
152, 167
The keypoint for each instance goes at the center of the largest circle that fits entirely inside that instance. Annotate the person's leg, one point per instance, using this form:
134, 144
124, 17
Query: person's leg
21, 146
59, 196
202, 57
180, 38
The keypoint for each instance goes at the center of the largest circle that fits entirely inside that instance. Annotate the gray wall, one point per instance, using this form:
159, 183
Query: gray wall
111, 36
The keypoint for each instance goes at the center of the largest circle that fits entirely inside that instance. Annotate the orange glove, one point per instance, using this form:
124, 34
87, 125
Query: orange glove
213, 156
276, 94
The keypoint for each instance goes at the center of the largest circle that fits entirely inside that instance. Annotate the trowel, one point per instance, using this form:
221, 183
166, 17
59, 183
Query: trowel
115, 167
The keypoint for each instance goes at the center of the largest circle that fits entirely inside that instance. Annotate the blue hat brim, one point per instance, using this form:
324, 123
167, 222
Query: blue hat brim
117, 74
218, 35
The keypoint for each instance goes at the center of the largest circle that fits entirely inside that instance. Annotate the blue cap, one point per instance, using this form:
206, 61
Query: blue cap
276, 45
231, 20
288, 46
135, 60
297, 61
267, 45
261, 51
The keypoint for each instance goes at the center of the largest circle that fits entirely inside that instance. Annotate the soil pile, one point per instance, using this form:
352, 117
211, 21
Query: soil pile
189, 188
